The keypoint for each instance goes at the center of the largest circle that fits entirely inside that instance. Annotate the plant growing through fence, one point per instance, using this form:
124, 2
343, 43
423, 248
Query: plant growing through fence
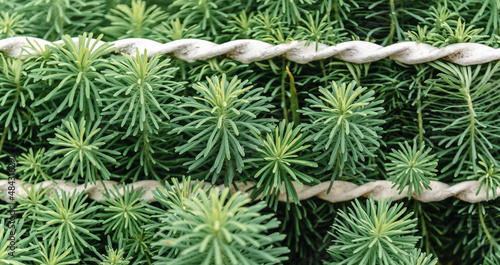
83, 112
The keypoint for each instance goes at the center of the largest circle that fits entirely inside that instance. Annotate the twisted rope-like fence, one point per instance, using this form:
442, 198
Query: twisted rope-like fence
467, 191
248, 51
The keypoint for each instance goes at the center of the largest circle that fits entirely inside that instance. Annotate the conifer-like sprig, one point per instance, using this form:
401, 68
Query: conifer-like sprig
218, 229
115, 254
281, 162
34, 167
222, 122
378, 233
77, 147
417, 257
488, 176
138, 92
411, 166
79, 66
134, 21
11, 24
50, 254
23, 250
123, 214
345, 121
16, 96
67, 219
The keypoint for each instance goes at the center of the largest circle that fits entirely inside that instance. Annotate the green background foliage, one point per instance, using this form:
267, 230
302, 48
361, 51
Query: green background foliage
81, 113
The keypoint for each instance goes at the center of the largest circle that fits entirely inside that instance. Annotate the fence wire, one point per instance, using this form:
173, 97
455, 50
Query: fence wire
467, 191
248, 51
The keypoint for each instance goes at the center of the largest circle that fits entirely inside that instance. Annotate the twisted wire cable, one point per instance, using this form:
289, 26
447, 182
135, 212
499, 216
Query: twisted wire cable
467, 191
247, 50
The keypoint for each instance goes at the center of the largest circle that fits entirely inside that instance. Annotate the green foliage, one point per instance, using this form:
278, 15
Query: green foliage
78, 144
67, 219
178, 193
123, 212
210, 15
55, 255
225, 117
34, 167
217, 229
29, 204
290, 10
175, 30
16, 96
113, 256
55, 18
279, 164
133, 21
318, 30
492, 258
21, 237
345, 126
467, 128
165, 134
375, 234
11, 24
138, 91
419, 258
78, 68
412, 167
488, 177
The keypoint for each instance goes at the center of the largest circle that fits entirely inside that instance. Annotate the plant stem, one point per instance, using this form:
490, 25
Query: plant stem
472, 125
283, 93
3, 139
322, 64
393, 22
485, 229
424, 226
420, 122
294, 100
336, 13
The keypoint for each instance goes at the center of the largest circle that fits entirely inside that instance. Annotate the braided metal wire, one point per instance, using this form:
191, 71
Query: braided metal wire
341, 190
248, 51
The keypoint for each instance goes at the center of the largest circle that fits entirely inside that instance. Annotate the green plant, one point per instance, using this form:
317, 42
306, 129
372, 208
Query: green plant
133, 22
123, 213
290, 10
75, 77
34, 167
345, 126
380, 121
279, 164
375, 234
21, 247
31, 202
417, 257
225, 118
67, 219
217, 229
56, 255
113, 256
464, 128
79, 144
488, 177
16, 97
138, 92
11, 24
210, 15
54, 18
412, 167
